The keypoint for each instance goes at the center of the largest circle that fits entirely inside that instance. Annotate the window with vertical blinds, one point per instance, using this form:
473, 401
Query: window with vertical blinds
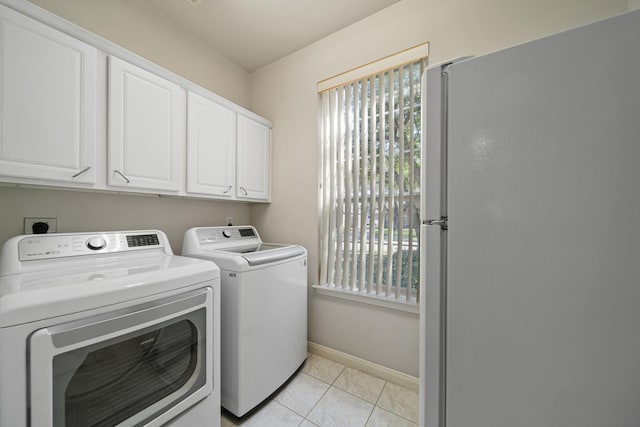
370, 184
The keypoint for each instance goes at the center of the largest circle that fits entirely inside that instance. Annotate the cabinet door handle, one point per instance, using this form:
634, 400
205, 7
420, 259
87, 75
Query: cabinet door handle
122, 175
227, 190
81, 172
244, 192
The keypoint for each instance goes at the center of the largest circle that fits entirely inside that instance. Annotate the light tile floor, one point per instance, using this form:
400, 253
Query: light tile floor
328, 394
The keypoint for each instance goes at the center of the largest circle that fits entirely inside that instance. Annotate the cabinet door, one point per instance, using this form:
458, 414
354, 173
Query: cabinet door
211, 141
146, 129
47, 91
252, 159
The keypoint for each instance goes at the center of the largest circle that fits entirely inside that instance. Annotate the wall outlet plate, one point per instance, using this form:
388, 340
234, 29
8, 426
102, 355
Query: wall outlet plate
50, 227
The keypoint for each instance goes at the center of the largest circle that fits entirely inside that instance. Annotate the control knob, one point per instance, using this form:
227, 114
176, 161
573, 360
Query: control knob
96, 243
227, 233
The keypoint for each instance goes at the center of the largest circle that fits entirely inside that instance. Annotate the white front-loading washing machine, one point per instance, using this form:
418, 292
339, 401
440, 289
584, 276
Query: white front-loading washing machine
105, 329
263, 310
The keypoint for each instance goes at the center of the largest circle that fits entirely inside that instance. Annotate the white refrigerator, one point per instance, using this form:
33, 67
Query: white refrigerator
531, 234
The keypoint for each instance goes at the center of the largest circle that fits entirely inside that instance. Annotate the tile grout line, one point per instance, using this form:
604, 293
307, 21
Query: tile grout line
364, 400
316, 404
323, 394
391, 411
369, 417
374, 405
381, 391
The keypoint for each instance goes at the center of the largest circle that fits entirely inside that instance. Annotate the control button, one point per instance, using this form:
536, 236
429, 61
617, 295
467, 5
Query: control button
227, 233
96, 243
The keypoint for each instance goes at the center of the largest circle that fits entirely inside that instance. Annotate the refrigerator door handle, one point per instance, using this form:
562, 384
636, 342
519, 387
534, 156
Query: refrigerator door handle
442, 222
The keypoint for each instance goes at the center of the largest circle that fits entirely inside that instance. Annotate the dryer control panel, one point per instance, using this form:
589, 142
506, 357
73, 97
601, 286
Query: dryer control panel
48, 246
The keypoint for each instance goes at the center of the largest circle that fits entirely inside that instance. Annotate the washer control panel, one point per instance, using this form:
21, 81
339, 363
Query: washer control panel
47, 246
226, 234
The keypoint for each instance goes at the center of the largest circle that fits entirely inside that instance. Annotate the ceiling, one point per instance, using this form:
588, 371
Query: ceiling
253, 33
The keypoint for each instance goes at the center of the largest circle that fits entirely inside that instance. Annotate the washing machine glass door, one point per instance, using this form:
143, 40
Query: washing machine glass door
131, 367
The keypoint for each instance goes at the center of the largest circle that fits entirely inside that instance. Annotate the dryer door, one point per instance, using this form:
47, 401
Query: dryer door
138, 366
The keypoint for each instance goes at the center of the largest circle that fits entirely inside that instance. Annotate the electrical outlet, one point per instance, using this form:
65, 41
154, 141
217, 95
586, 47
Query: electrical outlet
229, 220
33, 225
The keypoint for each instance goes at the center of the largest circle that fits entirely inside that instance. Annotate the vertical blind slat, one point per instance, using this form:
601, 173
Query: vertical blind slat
411, 178
381, 186
372, 179
326, 201
331, 184
392, 185
423, 65
364, 198
339, 180
348, 197
401, 166
356, 187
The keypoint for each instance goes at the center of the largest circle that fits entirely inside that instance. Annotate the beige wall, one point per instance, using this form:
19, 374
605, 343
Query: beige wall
137, 27
90, 211
285, 92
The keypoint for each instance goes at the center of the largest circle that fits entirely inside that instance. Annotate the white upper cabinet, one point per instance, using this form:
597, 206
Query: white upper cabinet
48, 103
79, 111
147, 129
211, 136
253, 158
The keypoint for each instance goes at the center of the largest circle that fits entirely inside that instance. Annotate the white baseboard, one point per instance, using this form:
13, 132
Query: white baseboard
365, 366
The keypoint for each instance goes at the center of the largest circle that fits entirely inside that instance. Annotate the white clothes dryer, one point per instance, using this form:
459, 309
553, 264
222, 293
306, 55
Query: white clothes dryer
263, 310
107, 328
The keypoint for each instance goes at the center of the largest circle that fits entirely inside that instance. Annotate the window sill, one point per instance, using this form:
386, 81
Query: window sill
401, 304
